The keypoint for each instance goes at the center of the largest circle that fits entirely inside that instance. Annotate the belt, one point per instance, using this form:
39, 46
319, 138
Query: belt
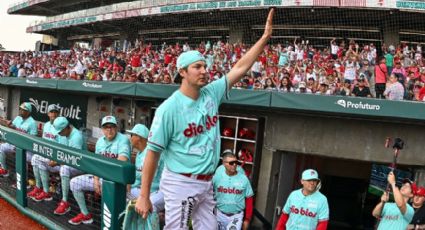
230, 214
198, 177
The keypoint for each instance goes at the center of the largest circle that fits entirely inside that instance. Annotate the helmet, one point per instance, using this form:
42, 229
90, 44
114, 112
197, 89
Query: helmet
228, 132
246, 133
245, 155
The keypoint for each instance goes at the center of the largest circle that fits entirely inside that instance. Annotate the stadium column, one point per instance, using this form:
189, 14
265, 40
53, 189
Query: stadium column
239, 32
391, 29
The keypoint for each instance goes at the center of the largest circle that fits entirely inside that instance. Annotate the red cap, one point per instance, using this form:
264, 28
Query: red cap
420, 191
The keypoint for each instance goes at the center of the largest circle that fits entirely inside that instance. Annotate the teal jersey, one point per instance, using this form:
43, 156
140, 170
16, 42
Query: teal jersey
26, 126
75, 139
389, 59
186, 131
306, 211
283, 58
119, 146
140, 159
49, 133
231, 191
392, 218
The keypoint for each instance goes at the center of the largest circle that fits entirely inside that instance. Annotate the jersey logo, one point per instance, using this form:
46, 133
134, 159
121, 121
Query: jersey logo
21, 130
194, 130
302, 212
110, 155
222, 189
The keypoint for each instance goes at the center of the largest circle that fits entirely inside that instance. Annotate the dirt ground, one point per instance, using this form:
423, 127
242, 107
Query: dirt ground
12, 219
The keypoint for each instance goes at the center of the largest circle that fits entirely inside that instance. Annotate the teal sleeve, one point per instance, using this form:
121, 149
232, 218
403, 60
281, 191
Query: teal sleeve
76, 142
161, 130
324, 209
98, 147
15, 121
219, 88
408, 216
33, 129
125, 148
287, 207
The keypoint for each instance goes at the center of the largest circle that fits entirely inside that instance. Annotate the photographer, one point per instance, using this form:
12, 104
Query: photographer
395, 215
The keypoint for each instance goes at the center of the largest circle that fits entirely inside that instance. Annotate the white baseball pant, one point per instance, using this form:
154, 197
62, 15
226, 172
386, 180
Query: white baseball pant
157, 199
83, 183
188, 199
43, 163
233, 222
6, 148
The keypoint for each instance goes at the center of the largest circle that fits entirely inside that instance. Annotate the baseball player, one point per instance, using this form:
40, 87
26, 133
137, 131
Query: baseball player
73, 139
306, 208
139, 139
234, 195
40, 164
112, 145
186, 132
23, 123
418, 221
398, 214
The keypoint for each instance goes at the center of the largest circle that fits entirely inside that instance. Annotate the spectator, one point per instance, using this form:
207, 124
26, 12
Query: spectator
418, 220
361, 90
397, 215
345, 89
394, 89
286, 85
381, 73
303, 89
323, 88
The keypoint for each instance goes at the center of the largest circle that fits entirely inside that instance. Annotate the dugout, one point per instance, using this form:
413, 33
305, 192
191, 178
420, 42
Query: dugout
293, 132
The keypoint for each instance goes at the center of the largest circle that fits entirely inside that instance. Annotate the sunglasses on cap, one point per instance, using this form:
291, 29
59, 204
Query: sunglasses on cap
232, 163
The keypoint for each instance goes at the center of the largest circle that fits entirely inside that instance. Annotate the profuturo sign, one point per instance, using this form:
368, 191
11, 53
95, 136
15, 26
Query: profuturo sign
348, 104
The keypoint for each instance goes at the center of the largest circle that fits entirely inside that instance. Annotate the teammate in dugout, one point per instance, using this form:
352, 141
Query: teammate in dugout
234, 195
23, 123
112, 145
395, 215
306, 208
73, 138
186, 132
418, 220
139, 139
40, 165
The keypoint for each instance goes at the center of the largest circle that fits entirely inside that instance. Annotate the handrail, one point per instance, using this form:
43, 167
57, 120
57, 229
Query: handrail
113, 170
116, 174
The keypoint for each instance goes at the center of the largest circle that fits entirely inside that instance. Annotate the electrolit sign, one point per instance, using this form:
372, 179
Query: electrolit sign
73, 107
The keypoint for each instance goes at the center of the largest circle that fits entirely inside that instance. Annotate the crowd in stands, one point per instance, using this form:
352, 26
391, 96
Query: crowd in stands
343, 68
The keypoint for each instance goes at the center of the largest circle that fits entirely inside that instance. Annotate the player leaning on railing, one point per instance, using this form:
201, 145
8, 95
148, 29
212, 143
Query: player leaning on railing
23, 123
186, 131
112, 145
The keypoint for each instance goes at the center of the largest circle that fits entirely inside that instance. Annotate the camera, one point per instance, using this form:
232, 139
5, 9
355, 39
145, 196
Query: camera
398, 143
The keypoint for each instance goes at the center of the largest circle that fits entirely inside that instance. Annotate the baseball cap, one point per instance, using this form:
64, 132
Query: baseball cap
310, 174
301, 85
185, 59
53, 107
109, 120
420, 191
60, 123
139, 130
26, 106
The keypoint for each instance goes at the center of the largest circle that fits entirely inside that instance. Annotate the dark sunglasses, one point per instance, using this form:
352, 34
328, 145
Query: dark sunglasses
232, 163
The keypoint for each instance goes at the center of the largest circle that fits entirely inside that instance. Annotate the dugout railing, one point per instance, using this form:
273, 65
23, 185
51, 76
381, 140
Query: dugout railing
116, 175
